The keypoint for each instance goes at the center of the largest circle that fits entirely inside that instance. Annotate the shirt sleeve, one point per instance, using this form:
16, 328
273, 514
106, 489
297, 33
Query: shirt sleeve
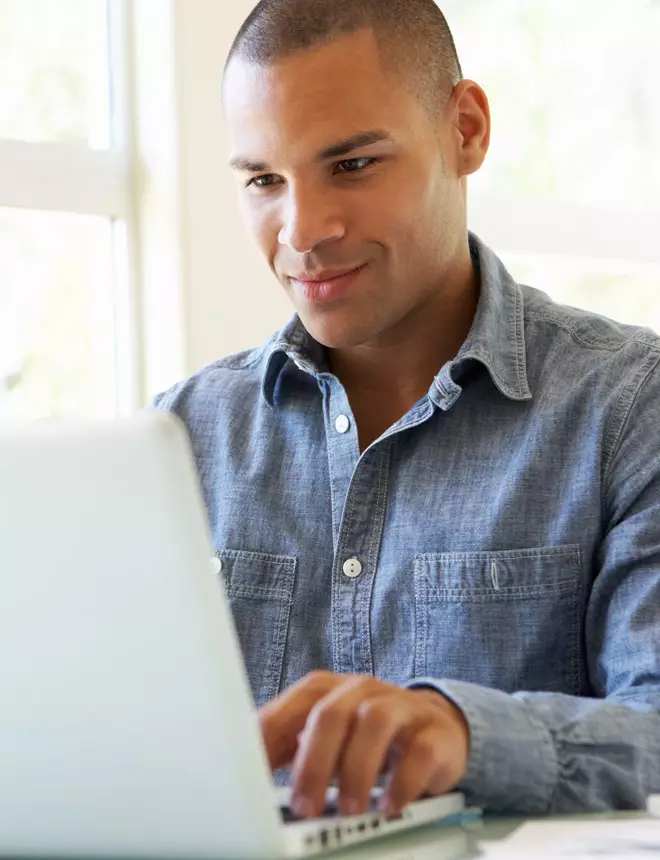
544, 753
538, 753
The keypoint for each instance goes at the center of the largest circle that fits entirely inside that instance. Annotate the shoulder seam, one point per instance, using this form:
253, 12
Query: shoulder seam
227, 363
171, 393
649, 340
648, 368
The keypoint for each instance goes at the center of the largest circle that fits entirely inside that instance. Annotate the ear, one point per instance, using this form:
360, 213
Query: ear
470, 118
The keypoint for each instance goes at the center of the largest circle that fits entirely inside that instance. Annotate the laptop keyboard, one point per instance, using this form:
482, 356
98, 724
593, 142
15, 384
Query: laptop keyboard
331, 810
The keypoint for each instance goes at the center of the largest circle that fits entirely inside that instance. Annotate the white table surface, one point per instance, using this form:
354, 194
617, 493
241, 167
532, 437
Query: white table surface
444, 843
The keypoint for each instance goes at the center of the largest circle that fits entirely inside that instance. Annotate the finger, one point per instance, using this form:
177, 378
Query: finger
282, 720
426, 758
322, 742
378, 722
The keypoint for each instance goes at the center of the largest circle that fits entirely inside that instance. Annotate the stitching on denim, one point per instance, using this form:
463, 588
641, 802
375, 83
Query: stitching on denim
421, 618
335, 586
626, 411
373, 552
337, 596
280, 598
651, 340
331, 471
346, 528
479, 594
276, 661
267, 558
259, 592
519, 340
486, 555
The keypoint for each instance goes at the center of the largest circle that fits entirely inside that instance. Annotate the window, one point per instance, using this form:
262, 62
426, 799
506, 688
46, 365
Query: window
54, 72
65, 213
56, 331
569, 195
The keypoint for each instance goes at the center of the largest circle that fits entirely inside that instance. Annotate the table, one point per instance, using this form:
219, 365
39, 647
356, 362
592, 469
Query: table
451, 843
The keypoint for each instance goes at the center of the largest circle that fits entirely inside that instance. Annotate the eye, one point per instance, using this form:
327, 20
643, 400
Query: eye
355, 165
260, 181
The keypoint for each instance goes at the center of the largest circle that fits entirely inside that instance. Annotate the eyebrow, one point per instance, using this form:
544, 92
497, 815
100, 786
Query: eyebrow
335, 150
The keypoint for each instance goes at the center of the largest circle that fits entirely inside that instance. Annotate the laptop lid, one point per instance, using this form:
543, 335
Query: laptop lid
126, 725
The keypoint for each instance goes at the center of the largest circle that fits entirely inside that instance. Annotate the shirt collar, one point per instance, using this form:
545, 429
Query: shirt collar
496, 338
497, 335
292, 345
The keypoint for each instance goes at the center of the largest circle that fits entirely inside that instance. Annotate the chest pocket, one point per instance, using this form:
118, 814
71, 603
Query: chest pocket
509, 620
260, 591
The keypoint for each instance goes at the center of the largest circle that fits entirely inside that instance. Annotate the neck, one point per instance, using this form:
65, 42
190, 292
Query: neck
399, 366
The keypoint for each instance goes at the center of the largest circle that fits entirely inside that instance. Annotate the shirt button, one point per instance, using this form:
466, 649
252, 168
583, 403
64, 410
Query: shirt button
342, 424
216, 565
352, 568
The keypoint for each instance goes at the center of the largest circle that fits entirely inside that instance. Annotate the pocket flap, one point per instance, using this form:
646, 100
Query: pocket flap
258, 575
505, 574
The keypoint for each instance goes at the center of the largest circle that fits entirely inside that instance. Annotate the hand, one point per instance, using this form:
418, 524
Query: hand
355, 728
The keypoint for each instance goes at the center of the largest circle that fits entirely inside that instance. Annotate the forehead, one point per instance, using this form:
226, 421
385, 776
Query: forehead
313, 97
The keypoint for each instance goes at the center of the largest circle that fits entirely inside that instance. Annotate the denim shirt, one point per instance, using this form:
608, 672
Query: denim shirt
500, 542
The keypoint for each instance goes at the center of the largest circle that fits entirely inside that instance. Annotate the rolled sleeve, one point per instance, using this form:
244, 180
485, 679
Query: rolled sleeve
512, 764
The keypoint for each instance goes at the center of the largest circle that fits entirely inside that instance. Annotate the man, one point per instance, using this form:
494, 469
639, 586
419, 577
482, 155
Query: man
435, 493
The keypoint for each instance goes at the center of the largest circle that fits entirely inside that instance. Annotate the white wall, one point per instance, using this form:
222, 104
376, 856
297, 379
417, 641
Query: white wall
232, 300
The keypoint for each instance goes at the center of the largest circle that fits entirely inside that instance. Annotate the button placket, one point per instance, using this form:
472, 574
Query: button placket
343, 451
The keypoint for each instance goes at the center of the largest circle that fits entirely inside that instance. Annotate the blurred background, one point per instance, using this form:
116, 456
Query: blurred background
124, 265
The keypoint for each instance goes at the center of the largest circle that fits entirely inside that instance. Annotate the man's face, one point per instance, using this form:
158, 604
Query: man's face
393, 209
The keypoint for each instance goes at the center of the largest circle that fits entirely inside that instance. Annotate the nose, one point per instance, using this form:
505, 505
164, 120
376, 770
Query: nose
310, 219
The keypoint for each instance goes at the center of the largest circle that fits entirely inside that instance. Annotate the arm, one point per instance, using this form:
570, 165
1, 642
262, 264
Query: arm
540, 753
527, 753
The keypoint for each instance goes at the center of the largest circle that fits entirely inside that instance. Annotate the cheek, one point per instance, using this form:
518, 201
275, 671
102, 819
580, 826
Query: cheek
403, 207
427, 214
262, 223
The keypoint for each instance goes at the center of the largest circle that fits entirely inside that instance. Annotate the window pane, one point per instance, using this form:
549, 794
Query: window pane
626, 292
574, 95
54, 71
57, 318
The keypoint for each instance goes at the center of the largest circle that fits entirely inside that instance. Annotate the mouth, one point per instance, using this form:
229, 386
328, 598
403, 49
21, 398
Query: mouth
327, 288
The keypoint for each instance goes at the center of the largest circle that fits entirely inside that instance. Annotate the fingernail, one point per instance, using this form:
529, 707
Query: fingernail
386, 806
302, 807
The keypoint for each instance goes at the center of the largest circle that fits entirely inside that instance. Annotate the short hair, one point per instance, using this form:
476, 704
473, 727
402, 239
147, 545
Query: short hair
413, 37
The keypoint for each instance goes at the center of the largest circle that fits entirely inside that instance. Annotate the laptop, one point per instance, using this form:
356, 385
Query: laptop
127, 727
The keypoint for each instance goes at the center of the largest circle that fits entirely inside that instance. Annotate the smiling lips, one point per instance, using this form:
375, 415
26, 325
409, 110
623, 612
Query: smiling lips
326, 286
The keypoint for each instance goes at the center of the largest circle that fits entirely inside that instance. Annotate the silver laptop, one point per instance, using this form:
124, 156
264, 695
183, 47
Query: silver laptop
127, 726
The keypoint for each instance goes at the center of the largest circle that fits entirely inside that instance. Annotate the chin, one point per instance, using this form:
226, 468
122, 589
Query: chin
336, 330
